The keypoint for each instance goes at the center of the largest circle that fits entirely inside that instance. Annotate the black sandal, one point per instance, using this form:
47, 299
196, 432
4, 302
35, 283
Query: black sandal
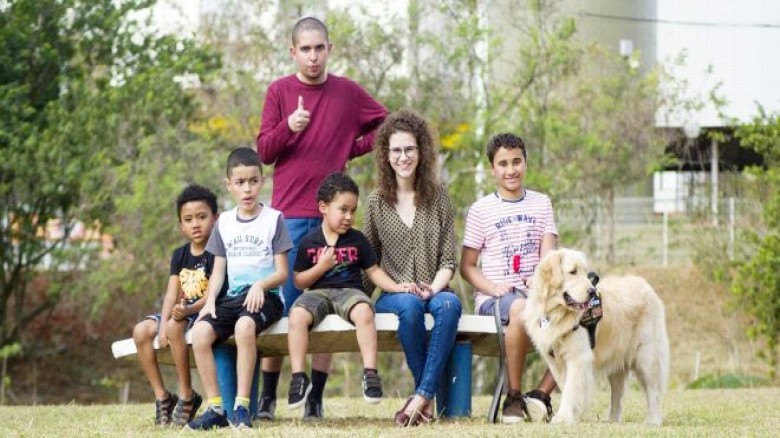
164, 409
186, 409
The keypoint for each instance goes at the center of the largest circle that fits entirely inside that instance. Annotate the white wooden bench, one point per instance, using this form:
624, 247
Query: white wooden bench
334, 335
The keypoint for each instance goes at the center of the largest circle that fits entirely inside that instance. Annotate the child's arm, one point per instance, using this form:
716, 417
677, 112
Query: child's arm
183, 310
379, 277
215, 285
171, 293
549, 243
474, 275
255, 298
305, 279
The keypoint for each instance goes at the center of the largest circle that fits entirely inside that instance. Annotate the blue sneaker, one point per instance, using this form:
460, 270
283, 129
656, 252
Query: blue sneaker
209, 420
241, 418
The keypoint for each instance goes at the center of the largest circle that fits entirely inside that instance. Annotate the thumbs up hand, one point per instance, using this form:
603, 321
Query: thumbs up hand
299, 119
179, 311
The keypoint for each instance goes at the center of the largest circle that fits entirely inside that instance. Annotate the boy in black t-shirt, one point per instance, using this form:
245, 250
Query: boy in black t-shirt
189, 277
328, 266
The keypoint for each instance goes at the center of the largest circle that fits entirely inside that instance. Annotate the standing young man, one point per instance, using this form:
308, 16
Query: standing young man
313, 122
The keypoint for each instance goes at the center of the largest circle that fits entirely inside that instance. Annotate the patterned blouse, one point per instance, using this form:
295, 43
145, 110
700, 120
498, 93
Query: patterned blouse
412, 254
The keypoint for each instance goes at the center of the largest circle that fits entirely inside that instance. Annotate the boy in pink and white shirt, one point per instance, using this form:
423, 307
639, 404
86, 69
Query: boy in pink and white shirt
509, 231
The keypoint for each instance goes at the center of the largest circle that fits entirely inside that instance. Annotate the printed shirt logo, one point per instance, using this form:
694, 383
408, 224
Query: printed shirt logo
193, 283
345, 256
254, 262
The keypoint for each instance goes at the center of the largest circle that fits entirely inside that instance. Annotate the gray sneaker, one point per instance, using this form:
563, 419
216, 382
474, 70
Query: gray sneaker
266, 408
312, 411
300, 387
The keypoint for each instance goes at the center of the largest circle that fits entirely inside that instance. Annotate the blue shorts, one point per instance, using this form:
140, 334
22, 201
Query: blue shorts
157, 317
298, 228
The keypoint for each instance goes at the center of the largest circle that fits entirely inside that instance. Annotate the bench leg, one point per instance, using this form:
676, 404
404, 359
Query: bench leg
225, 358
453, 398
501, 379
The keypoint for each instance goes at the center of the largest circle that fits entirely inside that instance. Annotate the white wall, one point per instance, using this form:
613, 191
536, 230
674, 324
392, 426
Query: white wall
740, 40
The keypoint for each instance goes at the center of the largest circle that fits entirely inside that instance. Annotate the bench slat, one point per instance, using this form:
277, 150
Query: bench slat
334, 335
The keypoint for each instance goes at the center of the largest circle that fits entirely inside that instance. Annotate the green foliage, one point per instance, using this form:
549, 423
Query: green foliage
727, 381
84, 87
10, 350
757, 282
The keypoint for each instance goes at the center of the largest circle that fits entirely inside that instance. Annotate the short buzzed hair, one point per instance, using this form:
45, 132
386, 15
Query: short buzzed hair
243, 157
308, 23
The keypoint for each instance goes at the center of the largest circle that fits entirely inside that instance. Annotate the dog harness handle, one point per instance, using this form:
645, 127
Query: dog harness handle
592, 316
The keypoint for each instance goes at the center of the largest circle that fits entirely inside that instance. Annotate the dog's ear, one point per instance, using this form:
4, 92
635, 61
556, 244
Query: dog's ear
550, 269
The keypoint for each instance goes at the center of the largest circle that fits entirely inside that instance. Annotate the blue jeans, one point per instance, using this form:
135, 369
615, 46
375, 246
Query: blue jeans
298, 228
425, 357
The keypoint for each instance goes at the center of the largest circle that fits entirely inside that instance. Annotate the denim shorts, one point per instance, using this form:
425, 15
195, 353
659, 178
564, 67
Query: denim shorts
157, 317
504, 303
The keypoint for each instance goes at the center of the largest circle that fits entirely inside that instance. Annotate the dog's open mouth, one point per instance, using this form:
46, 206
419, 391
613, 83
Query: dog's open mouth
571, 302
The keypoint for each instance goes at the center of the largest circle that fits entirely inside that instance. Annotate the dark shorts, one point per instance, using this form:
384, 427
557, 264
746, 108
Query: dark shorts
229, 311
157, 317
504, 303
323, 302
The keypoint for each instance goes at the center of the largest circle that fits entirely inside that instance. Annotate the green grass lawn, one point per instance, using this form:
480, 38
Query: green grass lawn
731, 412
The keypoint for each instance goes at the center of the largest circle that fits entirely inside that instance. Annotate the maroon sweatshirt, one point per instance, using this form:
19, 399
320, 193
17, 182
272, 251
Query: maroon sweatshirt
343, 121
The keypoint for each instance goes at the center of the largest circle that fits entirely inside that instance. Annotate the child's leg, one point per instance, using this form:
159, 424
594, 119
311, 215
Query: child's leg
547, 384
363, 317
298, 338
181, 356
203, 338
517, 345
143, 335
246, 347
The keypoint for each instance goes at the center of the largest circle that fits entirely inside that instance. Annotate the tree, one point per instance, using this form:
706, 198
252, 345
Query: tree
757, 283
602, 137
83, 88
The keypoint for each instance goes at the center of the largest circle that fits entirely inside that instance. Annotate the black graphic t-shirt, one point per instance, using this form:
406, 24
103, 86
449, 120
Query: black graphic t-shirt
193, 272
352, 250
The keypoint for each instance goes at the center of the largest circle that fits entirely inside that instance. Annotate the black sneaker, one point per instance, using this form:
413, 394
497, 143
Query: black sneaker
300, 387
164, 410
539, 406
372, 387
313, 411
266, 408
186, 409
514, 409
241, 418
209, 420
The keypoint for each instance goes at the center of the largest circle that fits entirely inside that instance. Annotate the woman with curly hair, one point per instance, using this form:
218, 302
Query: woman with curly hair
409, 222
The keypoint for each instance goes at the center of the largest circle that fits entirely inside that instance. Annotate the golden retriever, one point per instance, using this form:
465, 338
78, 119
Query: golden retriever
630, 336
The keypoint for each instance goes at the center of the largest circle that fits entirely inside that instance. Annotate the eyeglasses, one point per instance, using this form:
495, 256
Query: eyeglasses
409, 151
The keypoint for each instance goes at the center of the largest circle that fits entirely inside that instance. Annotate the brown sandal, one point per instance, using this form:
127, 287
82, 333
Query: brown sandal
401, 417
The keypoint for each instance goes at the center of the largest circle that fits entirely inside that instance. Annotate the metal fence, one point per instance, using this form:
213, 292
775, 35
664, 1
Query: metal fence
644, 236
